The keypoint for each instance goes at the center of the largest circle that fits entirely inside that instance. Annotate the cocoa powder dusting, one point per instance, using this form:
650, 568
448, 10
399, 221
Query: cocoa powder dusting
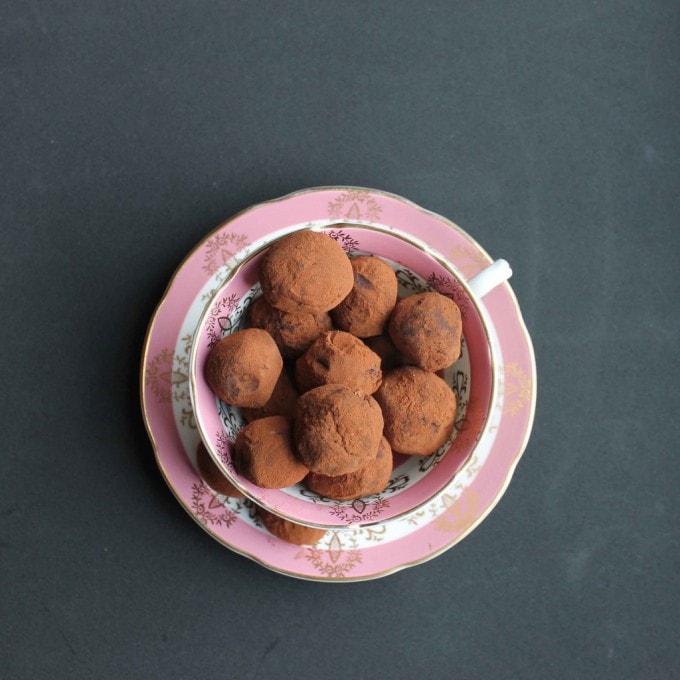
305, 272
427, 328
264, 454
242, 369
339, 358
337, 429
419, 409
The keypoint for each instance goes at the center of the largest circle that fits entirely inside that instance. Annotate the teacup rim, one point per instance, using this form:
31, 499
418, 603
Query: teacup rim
412, 241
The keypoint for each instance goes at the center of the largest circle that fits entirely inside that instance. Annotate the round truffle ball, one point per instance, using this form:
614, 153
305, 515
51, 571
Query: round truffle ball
305, 272
290, 531
370, 479
366, 310
338, 358
337, 429
427, 329
264, 454
292, 332
242, 369
212, 476
281, 403
419, 410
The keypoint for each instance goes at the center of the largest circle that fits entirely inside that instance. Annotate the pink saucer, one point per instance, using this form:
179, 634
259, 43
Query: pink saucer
343, 554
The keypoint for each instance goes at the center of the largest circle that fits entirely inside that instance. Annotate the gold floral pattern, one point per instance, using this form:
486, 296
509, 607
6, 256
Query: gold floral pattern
220, 249
372, 534
360, 511
460, 514
220, 321
337, 559
354, 205
517, 388
160, 376
207, 507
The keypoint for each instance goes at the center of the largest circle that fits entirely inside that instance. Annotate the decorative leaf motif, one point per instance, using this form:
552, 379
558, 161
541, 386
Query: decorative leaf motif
411, 281
517, 388
337, 560
349, 244
224, 449
201, 497
334, 548
220, 321
397, 483
452, 289
358, 506
354, 205
220, 249
159, 375
368, 511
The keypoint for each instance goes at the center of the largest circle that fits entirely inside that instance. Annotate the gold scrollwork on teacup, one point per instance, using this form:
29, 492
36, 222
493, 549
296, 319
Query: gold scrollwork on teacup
348, 244
359, 510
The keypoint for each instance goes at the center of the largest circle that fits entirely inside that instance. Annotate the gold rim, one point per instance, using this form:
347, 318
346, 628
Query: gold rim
404, 565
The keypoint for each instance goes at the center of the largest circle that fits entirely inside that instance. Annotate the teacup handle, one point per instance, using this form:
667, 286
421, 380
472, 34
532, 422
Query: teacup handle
495, 274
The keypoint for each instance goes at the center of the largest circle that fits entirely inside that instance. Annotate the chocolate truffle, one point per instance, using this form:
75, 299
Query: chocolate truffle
390, 356
243, 368
212, 476
290, 531
292, 332
427, 329
366, 310
419, 410
370, 479
264, 454
337, 429
305, 272
281, 403
339, 358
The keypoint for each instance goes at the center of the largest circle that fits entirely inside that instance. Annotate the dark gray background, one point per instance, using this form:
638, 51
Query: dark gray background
548, 130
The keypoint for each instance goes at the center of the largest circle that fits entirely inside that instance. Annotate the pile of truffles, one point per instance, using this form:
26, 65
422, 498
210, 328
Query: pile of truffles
335, 372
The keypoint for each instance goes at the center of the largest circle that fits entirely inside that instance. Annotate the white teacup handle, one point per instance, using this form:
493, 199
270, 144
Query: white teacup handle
495, 274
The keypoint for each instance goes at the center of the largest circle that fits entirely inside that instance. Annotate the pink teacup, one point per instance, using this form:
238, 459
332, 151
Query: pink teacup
415, 480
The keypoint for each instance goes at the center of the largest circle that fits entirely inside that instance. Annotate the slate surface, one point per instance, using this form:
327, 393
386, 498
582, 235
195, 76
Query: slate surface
548, 130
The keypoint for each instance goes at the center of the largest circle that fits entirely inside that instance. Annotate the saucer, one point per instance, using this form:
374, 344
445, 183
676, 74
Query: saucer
343, 554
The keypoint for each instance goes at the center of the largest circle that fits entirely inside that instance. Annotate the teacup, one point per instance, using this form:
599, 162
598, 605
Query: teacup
415, 480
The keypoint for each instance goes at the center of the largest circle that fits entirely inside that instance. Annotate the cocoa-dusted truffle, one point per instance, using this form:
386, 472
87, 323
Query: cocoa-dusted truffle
305, 272
243, 368
264, 454
427, 329
339, 358
212, 476
419, 410
337, 429
368, 480
293, 332
290, 531
281, 403
366, 310
390, 356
